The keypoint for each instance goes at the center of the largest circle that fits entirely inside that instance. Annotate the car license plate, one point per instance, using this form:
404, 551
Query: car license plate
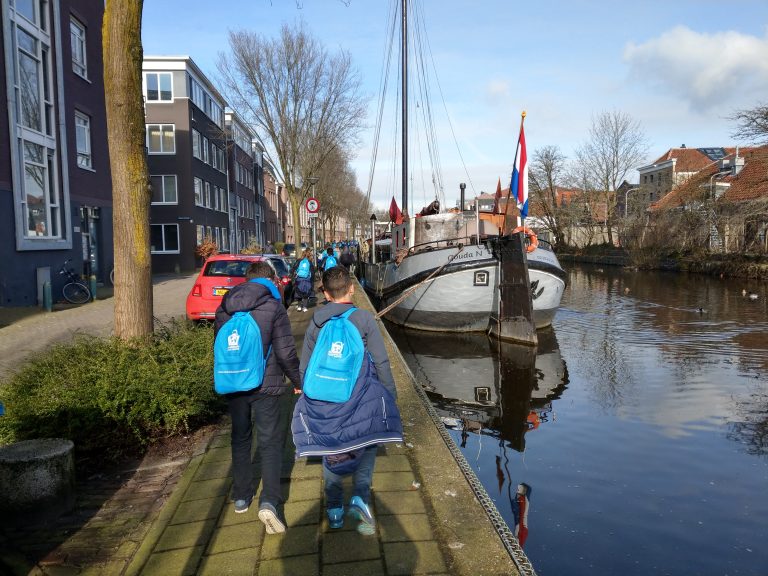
220, 291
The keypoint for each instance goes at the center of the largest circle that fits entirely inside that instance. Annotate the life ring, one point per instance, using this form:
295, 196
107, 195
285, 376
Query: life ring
533, 241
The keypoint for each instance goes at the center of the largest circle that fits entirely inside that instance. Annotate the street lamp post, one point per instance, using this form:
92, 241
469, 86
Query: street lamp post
312, 181
627, 191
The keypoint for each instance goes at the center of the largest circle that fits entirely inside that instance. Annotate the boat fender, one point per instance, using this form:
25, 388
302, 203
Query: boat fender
533, 241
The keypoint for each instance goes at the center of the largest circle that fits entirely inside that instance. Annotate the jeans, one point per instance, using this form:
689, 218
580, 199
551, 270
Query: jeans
244, 409
361, 481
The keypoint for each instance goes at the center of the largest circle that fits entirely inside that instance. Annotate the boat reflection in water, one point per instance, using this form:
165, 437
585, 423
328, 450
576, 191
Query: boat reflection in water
484, 386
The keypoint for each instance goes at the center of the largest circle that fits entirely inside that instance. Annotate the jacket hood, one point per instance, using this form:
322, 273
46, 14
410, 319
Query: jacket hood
247, 296
324, 313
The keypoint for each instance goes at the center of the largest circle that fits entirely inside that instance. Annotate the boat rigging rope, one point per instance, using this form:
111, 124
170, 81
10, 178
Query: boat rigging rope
412, 289
506, 535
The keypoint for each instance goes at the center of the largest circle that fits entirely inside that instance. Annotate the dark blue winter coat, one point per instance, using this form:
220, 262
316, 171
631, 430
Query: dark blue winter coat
370, 416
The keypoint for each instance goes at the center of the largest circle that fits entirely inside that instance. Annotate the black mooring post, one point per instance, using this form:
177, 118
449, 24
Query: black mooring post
513, 319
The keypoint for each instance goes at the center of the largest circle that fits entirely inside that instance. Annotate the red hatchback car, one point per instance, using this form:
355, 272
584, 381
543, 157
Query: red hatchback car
219, 274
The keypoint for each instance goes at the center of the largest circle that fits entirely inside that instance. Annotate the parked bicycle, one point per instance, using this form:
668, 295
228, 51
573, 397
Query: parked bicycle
76, 290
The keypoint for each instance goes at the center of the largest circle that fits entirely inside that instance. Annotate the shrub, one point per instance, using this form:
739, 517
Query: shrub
252, 248
112, 397
279, 247
206, 248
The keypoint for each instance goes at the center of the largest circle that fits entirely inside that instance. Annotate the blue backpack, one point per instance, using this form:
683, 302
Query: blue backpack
238, 361
336, 360
329, 262
303, 270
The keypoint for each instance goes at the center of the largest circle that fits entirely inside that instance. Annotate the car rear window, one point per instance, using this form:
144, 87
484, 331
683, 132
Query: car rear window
280, 266
236, 268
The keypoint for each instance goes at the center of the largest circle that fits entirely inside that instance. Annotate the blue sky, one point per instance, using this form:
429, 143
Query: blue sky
679, 67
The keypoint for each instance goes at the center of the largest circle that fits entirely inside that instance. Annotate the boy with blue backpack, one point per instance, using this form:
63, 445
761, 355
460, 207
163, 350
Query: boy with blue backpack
304, 272
330, 260
253, 350
349, 401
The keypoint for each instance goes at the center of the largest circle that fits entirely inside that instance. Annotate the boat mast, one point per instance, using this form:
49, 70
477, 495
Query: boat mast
404, 72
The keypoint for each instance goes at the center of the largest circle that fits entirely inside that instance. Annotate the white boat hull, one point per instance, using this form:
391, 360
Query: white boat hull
462, 296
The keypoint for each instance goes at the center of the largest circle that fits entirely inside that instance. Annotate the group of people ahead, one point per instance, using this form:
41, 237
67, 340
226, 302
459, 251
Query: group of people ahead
346, 402
303, 271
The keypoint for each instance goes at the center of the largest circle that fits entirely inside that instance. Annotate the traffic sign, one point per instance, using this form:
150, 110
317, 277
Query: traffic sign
312, 205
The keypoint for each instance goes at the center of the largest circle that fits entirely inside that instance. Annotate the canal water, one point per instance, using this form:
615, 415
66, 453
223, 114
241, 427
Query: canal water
640, 424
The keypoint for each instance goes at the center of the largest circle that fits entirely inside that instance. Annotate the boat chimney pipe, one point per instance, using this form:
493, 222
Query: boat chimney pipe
462, 187
373, 238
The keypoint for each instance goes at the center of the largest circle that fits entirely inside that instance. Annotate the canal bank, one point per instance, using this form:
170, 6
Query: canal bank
430, 520
753, 267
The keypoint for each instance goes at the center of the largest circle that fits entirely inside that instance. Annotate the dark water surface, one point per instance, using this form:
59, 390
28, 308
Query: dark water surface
641, 424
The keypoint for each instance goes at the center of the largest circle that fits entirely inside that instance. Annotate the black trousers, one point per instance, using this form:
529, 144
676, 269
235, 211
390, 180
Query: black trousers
245, 409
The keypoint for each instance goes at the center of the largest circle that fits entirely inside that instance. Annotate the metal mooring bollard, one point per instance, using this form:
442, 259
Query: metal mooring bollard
47, 297
93, 286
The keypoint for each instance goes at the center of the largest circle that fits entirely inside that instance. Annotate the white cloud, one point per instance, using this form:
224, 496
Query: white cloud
705, 70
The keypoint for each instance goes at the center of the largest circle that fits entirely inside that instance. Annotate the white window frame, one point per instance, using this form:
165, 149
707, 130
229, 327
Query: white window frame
163, 128
206, 151
77, 37
197, 141
163, 181
159, 99
199, 192
178, 240
84, 155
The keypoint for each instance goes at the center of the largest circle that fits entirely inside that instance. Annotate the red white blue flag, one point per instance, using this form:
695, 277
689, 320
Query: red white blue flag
519, 184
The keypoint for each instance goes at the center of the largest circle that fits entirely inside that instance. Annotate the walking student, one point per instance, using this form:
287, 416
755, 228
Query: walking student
259, 297
344, 423
304, 272
330, 260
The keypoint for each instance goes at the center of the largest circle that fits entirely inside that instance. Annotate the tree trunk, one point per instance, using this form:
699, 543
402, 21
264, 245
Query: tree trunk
123, 56
296, 211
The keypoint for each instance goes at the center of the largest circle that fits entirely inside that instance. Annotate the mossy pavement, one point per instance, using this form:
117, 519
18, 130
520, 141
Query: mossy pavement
428, 519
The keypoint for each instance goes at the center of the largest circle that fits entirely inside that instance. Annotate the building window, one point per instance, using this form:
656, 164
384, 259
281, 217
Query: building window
198, 192
164, 238
205, 150
161, 139
159, 86
83, 140
208, 195
164, 189
197, 144
77, 38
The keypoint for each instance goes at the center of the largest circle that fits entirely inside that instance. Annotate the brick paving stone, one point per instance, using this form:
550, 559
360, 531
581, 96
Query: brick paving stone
302, 512
405, 528
304, 470
297, 566
61, 570
393, 463
229, 517
207, 489
174, 562
236, 537
213, 470
296, 490
222, 454
185, 535
194, 510
349, 546
405, 558
363, 568
405, 502
238, 563
391, 481
222, 440
113, 568
125, 550
294, 542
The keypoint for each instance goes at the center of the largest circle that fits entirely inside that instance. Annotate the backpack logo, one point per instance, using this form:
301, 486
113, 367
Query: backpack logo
336, 349
336, 361
238, 355
233, 341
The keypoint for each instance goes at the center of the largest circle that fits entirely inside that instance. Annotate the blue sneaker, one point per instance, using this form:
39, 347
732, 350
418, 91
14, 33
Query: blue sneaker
335, 517
362, 512
243, 505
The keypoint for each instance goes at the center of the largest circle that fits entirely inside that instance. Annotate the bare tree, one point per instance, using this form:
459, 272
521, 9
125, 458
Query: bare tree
303, 102
547, 173
131, 196
616, 145
752, 124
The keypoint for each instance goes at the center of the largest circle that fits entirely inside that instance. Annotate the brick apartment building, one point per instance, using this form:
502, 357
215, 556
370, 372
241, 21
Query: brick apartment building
55, 183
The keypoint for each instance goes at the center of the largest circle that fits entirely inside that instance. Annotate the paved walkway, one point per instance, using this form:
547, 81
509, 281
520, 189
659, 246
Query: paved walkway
429, 521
